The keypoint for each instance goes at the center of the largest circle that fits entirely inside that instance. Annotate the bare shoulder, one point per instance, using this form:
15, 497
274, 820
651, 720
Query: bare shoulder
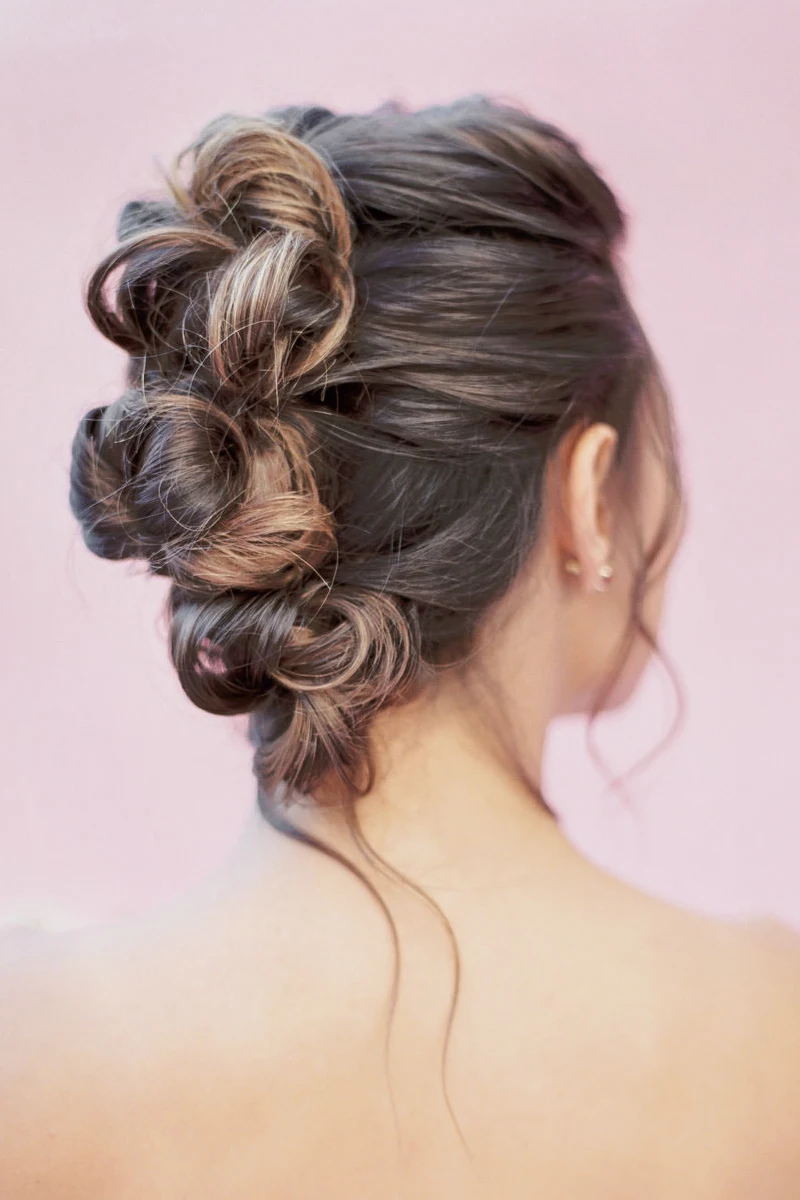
51, 1094
760, 983
765, 971
744, 1036
138, 1054
726, 1078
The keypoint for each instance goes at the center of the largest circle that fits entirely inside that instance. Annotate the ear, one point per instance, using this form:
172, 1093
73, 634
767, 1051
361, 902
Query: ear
587, 455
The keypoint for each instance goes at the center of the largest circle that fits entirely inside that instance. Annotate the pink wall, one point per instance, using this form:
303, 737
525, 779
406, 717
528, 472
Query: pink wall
116, 793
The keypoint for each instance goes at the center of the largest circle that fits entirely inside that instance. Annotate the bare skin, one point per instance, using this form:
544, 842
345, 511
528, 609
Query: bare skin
606, 1045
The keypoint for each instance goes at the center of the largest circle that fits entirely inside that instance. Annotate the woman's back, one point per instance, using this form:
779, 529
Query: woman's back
605, 1045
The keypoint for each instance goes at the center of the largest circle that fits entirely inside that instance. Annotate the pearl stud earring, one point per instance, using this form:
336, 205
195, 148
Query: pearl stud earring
606, 572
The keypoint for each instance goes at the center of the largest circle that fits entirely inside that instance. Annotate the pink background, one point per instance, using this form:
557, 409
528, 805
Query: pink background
116, 792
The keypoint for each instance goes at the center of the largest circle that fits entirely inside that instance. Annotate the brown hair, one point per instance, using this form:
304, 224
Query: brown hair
354, 343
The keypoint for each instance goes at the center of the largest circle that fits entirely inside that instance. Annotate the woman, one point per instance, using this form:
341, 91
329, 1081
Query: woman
397, 438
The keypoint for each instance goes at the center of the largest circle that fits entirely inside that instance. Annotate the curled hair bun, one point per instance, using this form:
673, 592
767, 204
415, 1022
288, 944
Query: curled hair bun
320, 660
353, 341
185, 489
284, 301
253, 254
235, 294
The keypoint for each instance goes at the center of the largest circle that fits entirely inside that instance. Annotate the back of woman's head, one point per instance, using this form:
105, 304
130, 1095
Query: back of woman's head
355, 342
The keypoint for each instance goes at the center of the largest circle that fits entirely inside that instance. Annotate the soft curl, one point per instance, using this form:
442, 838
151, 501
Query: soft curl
322, 661
207, 501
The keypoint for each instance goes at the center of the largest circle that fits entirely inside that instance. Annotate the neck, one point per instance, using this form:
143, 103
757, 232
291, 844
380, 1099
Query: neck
450, 800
